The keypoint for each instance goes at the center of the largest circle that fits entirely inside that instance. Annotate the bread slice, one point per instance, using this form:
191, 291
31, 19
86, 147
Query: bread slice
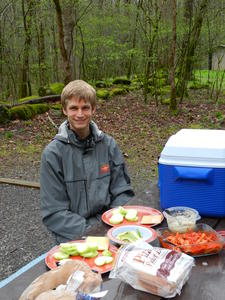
151, 219
101, 241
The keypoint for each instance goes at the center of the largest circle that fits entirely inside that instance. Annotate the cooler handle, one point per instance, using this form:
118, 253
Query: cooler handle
193, 173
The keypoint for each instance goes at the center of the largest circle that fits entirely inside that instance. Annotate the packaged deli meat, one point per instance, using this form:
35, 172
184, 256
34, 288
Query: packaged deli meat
159, 271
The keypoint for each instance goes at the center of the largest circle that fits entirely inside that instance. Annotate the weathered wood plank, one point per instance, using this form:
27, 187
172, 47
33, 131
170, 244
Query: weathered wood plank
19, 182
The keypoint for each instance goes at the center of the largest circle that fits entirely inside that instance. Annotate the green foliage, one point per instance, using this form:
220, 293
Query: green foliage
4, 114
209, 77
100, 84
118, 91
121, 80
166, 101
196, 85
8, 135
56, 88
165, 90
219, 115
26, 112
196, 126
103, 94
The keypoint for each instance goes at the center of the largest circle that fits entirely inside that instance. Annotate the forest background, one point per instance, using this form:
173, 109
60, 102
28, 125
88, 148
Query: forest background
152, 63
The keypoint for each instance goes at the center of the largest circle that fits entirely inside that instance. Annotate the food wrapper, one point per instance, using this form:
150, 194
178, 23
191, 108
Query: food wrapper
72, 279
159, 271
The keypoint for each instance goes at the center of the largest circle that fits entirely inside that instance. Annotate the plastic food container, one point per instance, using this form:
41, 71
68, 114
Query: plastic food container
181, 219
201, 241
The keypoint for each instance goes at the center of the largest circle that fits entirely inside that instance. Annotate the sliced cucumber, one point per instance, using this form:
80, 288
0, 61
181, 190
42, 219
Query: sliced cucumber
100, 260
106, 253
116, 219
108, 259
60, 255
81, 248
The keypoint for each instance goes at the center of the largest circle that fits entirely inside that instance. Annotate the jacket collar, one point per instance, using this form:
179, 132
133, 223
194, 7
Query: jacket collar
67, 136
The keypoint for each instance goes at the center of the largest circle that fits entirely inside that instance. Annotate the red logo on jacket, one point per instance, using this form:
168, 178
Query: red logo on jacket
104, 169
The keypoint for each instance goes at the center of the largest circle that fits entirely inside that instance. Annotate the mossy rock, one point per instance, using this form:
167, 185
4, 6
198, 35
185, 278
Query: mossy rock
103, 94
39, 108
121, 80
56, 106
4, 114
118, 91
100, 84
26, 112
22, 112
45, 91
56, 88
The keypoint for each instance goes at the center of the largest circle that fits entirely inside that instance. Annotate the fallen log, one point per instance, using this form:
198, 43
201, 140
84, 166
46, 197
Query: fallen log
50, 98
19, 182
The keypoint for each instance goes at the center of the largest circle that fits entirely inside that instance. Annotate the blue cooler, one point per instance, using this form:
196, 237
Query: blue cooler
192, 171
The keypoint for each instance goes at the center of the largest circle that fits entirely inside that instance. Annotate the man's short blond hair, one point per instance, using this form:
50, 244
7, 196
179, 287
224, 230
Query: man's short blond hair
79, 89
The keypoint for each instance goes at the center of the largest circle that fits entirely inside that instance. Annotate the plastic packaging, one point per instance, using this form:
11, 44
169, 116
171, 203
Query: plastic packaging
159, 271
201, 241
179, 220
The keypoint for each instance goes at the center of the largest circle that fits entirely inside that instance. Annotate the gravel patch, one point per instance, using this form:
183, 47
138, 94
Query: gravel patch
23, 236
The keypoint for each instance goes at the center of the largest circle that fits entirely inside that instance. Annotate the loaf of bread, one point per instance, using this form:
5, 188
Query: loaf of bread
52, 279
159, 271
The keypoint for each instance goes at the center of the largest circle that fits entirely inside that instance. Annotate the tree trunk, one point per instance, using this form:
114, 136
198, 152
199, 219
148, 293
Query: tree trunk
185, 69
152, 36
133, 41
69, 24
65, 57
173, 101
1, 60
25, 88
41, 49
55, 55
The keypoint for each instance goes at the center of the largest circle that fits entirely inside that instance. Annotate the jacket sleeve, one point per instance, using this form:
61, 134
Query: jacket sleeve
55, 205
120, 187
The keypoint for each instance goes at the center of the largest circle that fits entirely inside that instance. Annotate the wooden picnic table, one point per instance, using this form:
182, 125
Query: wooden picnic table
206, 282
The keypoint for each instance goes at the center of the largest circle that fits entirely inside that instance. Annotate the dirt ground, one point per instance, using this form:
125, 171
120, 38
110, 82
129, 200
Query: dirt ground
141, 131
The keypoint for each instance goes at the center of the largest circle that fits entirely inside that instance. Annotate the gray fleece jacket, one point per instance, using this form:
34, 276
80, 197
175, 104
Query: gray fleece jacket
80, 180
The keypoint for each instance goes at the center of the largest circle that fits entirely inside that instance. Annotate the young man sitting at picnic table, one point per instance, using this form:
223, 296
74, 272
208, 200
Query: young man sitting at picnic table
83, 172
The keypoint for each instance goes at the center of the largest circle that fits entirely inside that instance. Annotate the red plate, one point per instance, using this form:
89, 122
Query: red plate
51, 262
142, 211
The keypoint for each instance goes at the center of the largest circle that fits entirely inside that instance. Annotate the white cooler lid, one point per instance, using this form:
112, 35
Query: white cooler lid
195, 147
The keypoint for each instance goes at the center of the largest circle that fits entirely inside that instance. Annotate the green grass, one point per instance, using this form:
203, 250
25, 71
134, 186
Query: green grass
210, 76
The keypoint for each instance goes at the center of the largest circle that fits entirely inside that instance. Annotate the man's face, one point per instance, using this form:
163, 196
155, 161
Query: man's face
79, 114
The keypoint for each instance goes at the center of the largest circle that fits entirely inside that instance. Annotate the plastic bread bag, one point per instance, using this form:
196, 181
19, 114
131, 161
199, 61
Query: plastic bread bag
64, 282
159, 271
